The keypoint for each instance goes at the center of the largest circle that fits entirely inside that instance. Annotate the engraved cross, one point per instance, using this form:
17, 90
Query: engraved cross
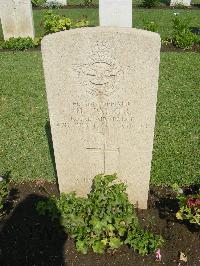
104, 150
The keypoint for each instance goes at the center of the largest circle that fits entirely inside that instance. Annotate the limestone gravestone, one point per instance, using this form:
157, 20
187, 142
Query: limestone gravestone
180, 2
101, 88
60, 2
115, 13
17, 18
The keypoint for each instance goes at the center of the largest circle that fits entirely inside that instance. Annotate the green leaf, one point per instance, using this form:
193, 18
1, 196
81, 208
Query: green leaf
98, 247
104, 241
115, 242
122, 231
81, 246
110, 178
179, 215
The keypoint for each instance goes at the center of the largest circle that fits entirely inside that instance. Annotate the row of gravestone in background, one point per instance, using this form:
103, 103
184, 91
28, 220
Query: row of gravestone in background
17, 16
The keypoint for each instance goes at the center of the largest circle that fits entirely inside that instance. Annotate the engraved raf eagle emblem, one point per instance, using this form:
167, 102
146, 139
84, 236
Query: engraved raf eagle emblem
102, 74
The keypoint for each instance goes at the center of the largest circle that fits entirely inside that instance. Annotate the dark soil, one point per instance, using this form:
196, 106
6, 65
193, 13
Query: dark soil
164, 5
29, 239
172, 48
78, 6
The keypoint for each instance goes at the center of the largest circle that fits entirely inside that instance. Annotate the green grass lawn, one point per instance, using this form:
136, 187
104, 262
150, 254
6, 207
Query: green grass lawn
176, 145
162, 17
24, 148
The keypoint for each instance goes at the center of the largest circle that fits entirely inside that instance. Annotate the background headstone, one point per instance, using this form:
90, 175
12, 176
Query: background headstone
180, 2
17, 18
115, 13
60, 2
102, 89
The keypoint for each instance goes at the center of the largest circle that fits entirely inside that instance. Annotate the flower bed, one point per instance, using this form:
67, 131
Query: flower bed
27, 237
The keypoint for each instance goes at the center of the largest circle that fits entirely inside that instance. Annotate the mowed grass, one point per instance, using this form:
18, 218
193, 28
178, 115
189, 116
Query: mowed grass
177, 143
24, 146
23, 141
163, 17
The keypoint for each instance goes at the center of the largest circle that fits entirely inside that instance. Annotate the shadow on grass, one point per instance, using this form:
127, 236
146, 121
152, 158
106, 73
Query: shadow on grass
196, 5
30, 239
195, 30
51, 150
165, 2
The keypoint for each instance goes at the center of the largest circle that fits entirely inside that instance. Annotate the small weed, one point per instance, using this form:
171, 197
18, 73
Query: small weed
20, 43
181, 35
150, 3
150, 26
189, 206
55, 23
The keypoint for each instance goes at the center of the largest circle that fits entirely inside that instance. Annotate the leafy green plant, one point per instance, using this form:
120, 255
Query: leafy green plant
105, 220
189, 206
20, 43
55, 23
150, 26
181, 36
142, 241
88, 2
3, 191
150, 3
81, 23
36, 3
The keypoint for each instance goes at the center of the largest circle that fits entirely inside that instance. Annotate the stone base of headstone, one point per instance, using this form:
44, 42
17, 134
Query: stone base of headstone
60, 2
180, 2
17, 18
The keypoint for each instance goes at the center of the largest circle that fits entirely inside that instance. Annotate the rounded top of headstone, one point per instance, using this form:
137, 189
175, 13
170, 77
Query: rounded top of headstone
102, 30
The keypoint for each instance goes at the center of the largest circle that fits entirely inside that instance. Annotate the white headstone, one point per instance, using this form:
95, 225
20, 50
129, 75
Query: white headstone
180, 2
17, 18
115, 13
60, 2
102, 87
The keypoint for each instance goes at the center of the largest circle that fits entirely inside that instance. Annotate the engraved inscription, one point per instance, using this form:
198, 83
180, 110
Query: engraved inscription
100, 115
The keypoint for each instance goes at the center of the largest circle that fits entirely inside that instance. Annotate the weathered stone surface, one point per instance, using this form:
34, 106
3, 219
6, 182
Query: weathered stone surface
115, 13
17, 18
180, 2
61, 2
102, 88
